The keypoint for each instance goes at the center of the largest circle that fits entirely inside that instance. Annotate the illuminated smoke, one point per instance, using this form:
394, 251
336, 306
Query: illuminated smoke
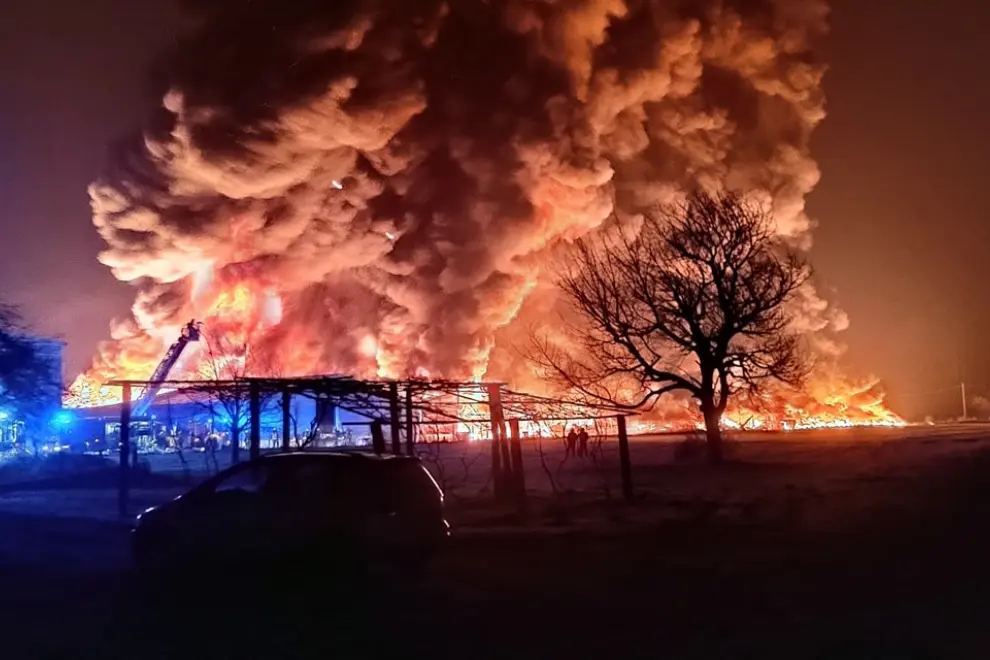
402, 172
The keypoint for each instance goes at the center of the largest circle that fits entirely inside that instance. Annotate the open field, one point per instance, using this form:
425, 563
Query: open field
848, 544
810, 474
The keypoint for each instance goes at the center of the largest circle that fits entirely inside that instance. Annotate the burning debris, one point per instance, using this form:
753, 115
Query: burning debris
381, 188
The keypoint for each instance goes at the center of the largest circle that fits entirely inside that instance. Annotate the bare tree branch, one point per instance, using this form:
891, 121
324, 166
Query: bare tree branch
227, 359
697, 301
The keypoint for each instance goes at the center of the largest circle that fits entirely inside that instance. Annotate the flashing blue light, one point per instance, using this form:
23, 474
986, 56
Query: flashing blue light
62, 418
4, 415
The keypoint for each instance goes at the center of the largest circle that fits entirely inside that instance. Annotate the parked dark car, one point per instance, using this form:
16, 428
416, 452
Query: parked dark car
332, 506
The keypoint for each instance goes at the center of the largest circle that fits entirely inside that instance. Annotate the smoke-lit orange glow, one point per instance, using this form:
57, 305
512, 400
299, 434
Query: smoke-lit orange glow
833, 403
240, 313
236, 312
404, 222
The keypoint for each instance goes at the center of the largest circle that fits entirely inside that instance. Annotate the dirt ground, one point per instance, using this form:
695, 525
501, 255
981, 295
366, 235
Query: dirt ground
850, 544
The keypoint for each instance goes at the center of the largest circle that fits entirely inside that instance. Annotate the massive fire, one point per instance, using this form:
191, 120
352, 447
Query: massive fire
236, 313
381, 189
242, 314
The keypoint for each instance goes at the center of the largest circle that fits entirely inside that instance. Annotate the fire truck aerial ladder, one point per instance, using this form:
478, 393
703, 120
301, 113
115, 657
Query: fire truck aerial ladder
189, 333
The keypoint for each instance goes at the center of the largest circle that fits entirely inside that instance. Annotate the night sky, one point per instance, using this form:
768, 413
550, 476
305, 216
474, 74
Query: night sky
902, 206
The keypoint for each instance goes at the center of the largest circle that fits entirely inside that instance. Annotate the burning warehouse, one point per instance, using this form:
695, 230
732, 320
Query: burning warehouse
208, 418
383, 189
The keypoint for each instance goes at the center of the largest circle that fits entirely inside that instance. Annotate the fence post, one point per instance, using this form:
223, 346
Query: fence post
393, 417
410, 429
501, 468
254, 390
519, 476
125, 448
625, 464
286, 418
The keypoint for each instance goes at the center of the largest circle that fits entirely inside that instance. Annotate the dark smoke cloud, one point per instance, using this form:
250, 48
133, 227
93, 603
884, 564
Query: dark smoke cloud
405, 170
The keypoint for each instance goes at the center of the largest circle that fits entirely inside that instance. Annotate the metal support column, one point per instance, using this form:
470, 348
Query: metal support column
125, 449
286, 419
254, 390
377, 438
410, 429
393, 417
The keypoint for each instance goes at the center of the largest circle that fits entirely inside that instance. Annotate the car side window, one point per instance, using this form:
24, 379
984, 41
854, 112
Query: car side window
308, 481
250, 479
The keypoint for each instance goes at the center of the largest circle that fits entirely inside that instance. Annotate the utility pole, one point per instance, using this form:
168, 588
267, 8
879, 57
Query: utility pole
962, 388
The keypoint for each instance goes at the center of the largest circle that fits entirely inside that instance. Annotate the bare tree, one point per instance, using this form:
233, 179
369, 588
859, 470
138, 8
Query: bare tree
232, 358
697, 301
311, 433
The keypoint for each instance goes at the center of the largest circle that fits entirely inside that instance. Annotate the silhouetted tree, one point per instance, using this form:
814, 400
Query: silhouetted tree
30, 378
695, 301
232, 358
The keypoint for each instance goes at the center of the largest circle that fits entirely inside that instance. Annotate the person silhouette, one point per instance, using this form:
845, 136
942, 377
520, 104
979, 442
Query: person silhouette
572, 438
582, 442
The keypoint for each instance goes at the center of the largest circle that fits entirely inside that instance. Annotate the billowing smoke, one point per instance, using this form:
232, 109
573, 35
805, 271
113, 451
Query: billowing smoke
403, 171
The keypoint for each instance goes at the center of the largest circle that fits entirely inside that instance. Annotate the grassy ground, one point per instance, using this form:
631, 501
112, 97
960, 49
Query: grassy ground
848, 545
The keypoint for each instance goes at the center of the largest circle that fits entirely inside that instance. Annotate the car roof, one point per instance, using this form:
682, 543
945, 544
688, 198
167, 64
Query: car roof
335, 454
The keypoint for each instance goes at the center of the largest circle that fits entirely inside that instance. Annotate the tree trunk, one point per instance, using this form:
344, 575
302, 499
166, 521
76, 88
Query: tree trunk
713, 432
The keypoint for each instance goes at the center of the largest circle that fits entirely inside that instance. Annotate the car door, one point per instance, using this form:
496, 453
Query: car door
298, 493
231, 513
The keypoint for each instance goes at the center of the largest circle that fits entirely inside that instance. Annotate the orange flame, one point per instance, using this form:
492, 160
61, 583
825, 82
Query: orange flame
238, 311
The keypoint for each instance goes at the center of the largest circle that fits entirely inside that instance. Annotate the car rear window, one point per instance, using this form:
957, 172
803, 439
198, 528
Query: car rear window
405, 484
380, 484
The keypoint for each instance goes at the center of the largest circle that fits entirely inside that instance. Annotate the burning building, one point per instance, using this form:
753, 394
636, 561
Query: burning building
382, 188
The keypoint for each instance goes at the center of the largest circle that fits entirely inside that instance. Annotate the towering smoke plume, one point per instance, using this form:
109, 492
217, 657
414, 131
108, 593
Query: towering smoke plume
401, 173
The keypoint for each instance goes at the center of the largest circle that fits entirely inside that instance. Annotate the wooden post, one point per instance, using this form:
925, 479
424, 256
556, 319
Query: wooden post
125, 448
625, 465
286, 419
377, 438
254, 390
501, 466
519, 476
508, 478
496, 463
393, 417
410, 429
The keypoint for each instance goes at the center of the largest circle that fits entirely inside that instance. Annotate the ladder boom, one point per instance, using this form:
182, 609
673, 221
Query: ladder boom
189, 333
